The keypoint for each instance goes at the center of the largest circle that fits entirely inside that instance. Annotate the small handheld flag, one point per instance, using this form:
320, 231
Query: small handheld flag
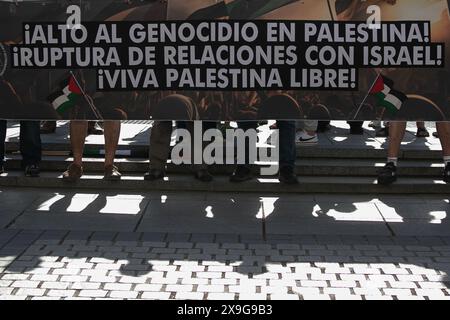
391, 99
67, 97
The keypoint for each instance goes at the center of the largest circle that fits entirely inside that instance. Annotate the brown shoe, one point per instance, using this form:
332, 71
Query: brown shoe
73, 172
112, 173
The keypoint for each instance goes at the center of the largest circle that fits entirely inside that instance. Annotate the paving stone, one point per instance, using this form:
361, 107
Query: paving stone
179, 288
323, 276
5, 283
189, 295
148, 287
256, 296
315, 297
210, 275
168, 280
92, 293
432, 294
229, 282
314, 284
117, 287
123, 294
156, 295
403, 285
365, 291
61, 293
44, 277
343, 284
15, 276
283, 297
398, 292
25, 284
432, 285
85, 286
242, 289
337, 291
221, 296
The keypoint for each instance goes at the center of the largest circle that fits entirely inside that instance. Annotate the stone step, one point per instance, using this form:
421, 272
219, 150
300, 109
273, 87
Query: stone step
346, 152
266, 185
304, 166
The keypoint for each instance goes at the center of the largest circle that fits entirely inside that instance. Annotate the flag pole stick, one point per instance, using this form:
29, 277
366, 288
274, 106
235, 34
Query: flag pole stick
91, 105
367, 95
331, 10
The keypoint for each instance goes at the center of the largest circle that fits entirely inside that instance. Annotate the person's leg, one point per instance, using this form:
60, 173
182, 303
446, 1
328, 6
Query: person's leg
112, 134
2, 144
310, 126
200, 170
78, 132
307, 136
159, 149
422, 131
30, 147
243, 172
288, 152
388, 174
396, 134
356, 127
443, 130
383, 132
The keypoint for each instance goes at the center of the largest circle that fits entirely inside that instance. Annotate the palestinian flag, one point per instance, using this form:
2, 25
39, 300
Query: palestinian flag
239, 9
391, 99
67, 97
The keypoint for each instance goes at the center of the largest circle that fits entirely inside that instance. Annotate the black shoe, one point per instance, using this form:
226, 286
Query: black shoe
32, 171
382, 133
287, 176
241, 174
388, 174
447, 173
356, 131
154, 174
422, 133
203, 176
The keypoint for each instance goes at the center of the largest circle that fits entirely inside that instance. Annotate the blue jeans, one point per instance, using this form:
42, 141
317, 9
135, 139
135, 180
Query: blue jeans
288, 151
30, 142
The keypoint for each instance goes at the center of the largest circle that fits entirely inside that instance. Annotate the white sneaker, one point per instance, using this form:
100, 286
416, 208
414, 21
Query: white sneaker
304, 139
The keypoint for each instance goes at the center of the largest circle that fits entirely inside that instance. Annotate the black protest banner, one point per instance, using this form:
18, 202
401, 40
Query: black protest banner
326, 58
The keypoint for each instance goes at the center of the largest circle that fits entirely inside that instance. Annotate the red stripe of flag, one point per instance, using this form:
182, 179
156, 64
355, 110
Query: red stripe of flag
73, 86
378, 86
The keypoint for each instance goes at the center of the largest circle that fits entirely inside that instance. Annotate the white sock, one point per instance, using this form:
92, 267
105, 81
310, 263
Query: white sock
446, 160
393, 160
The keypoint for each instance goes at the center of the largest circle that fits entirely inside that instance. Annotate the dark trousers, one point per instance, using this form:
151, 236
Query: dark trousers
288, 151
30, 142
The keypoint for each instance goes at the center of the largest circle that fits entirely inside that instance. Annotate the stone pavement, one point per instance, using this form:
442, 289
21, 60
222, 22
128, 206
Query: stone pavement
109, 265
77, 245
